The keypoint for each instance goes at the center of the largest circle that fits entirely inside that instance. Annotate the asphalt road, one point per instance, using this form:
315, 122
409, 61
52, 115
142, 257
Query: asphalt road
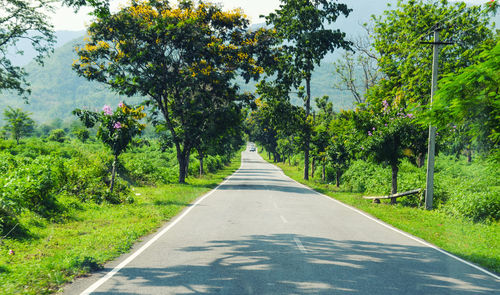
262, 233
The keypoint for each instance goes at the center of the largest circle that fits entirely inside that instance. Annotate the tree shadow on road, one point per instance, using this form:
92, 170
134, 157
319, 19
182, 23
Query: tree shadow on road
298, 264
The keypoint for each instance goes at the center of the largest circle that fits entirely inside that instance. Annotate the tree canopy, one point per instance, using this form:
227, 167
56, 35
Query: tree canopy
181, 58
23, 19
300, 25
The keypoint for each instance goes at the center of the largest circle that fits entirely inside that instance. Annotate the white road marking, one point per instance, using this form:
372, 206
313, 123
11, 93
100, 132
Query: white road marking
129, 259
400, 231
299, 245
283, 219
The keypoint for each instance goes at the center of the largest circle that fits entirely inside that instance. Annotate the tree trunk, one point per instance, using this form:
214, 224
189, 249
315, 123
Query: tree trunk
337, 177
469, 155
307, 135
200, 157
187, 162
394, 188
182, 159
323, 172
313, 167
420, 160
113, 172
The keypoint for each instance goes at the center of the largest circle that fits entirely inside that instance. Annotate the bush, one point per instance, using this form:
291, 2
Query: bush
362, 176
57, 135
32, 186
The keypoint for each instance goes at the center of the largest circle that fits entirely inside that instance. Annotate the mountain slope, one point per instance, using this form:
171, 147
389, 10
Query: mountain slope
57, 89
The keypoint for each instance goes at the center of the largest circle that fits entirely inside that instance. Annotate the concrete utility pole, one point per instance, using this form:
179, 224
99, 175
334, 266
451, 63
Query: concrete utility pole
429, 191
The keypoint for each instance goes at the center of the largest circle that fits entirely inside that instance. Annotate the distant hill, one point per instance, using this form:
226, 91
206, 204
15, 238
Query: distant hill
57, 89
62, 37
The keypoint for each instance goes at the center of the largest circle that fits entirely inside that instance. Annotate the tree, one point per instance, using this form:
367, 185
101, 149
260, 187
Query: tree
116, 128
300, 25
18, 123
321, 134
57, 135
180, 58
471, 98
387, 134
82, 134
358, 71
406, 64
23, 20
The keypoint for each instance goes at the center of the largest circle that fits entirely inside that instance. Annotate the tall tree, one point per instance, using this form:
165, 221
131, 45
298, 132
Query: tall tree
18, 123
180, 58
406, 63
301, 25
357, 71
23, 20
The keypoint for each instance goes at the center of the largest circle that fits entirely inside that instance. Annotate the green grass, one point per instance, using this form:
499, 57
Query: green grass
54, 253
475, 242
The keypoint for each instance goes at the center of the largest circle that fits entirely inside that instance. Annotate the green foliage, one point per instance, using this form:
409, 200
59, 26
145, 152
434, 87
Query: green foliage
82, 134
57, 252
18, 123
57, 135
468, 190
116, 128
23, 20
134, 49
406, 64
299, 25
471, 98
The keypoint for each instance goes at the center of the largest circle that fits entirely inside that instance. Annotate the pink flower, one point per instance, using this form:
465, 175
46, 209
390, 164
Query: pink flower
107, 110
385, 124
373, 128
369, 133
117, 125
410, 116
120, 105
11, 252
386, 105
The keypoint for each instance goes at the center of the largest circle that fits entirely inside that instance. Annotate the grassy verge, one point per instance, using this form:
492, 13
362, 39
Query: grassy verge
475, 242
54, 253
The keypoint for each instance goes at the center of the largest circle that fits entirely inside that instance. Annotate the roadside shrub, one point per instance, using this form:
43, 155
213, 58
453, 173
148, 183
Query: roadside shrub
57, 135
32, 186
480, 206
362, 176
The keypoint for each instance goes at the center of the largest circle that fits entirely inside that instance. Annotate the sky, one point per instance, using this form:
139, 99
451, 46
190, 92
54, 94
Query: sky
66, 19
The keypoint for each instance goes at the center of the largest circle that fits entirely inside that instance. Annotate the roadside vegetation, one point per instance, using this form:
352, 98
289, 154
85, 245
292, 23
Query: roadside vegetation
62, 221
456, 233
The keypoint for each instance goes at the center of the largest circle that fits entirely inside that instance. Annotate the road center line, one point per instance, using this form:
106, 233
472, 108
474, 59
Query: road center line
299, 245
283, 219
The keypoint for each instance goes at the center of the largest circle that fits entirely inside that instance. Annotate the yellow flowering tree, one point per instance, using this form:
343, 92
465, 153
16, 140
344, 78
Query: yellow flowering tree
182, 59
